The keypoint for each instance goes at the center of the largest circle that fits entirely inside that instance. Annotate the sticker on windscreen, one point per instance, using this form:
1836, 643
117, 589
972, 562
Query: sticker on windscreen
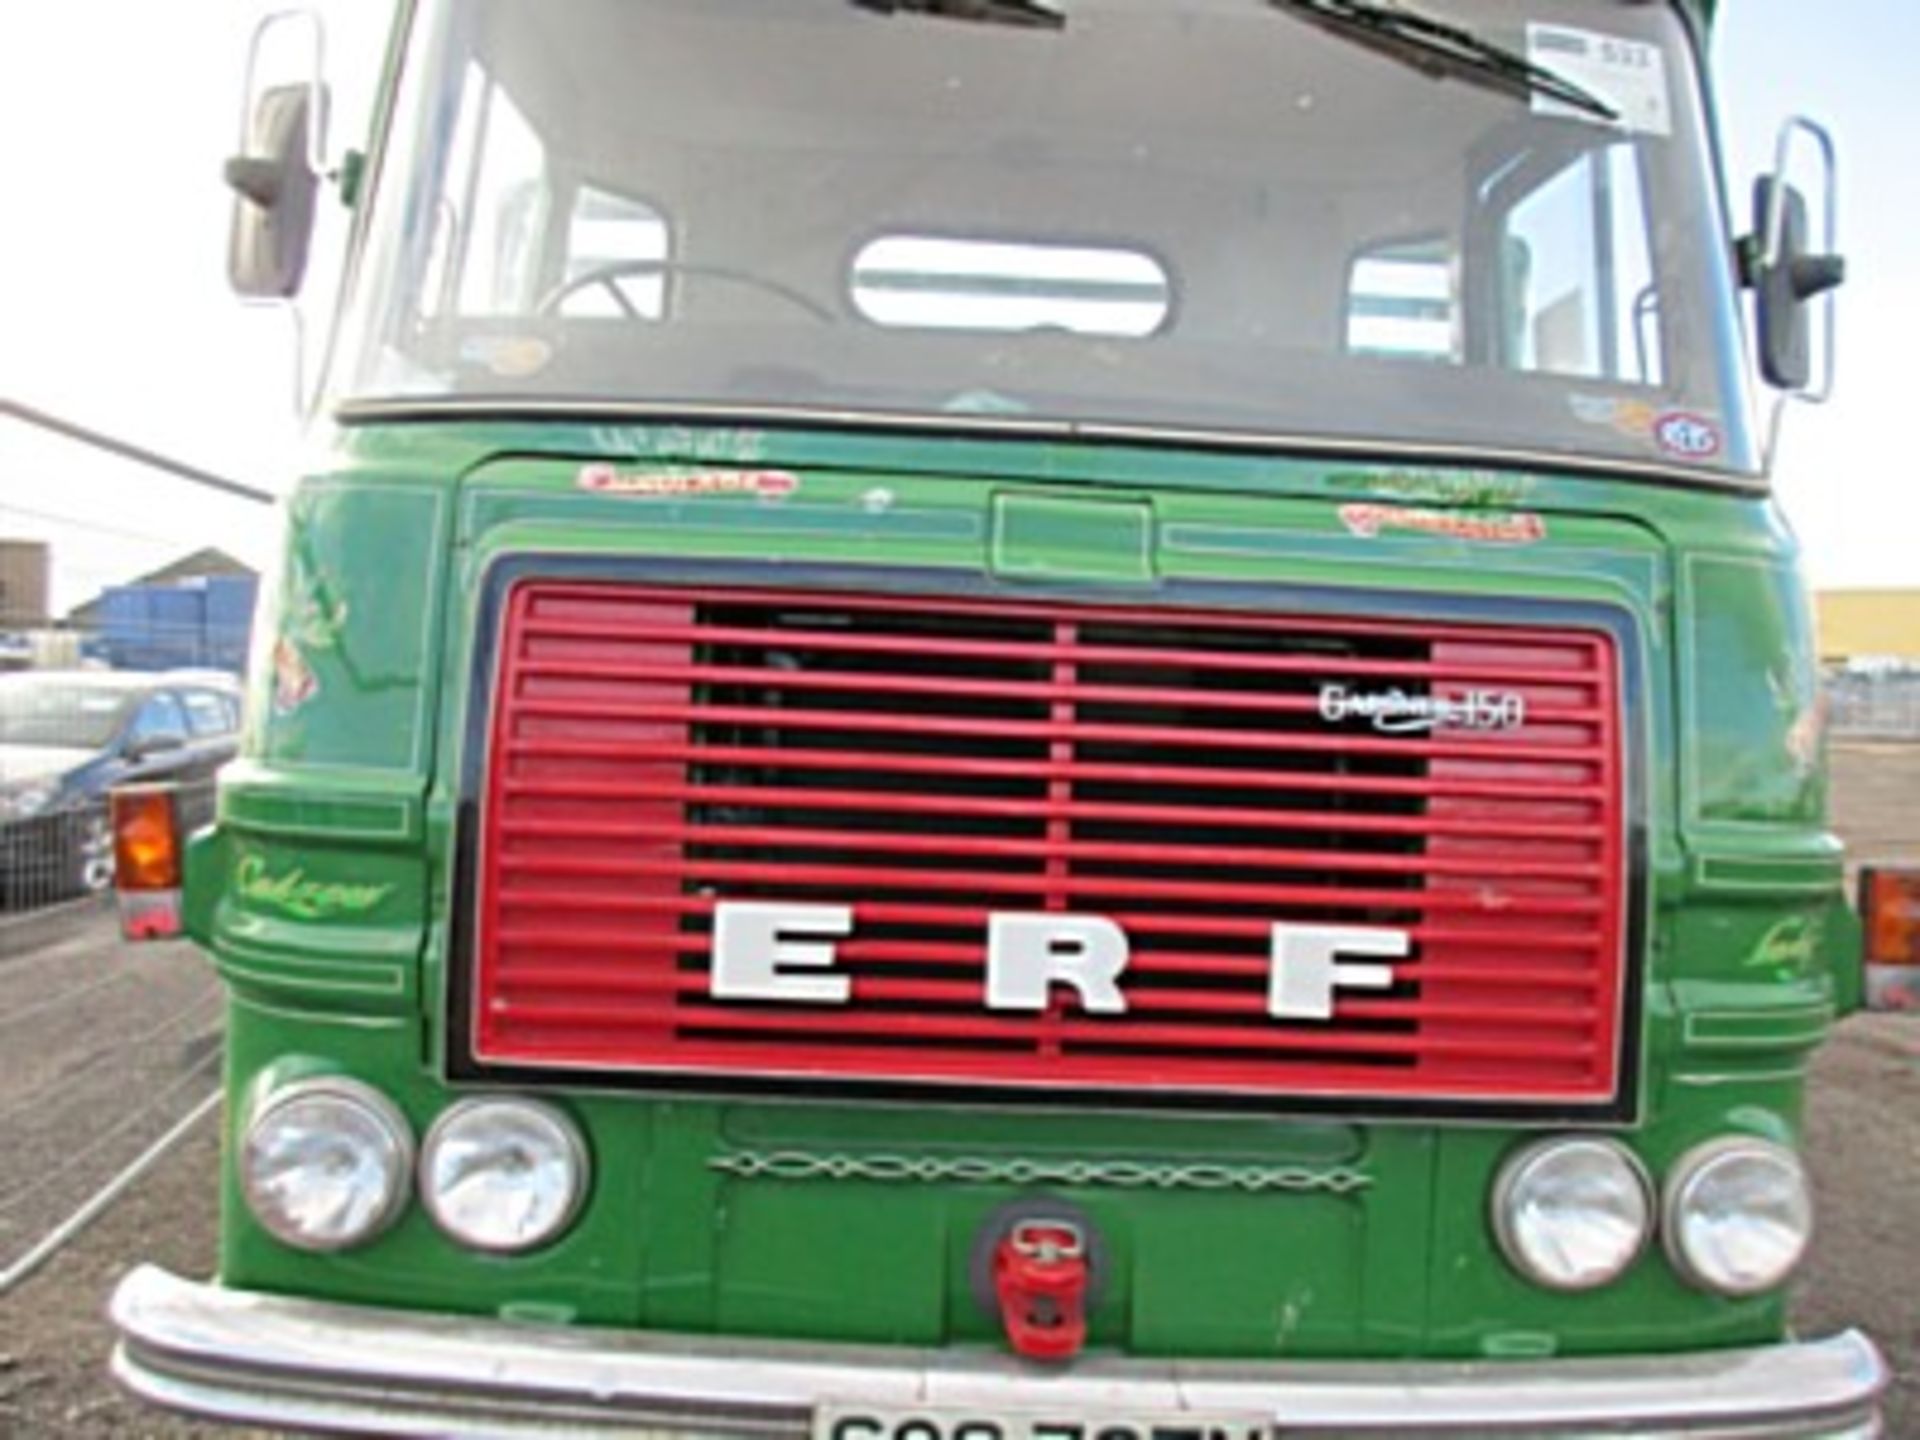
1678, 434
1632, 418
511, 357
1686, 435
1629, 75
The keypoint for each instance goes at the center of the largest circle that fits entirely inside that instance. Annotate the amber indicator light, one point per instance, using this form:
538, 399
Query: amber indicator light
1890, 913
146, 840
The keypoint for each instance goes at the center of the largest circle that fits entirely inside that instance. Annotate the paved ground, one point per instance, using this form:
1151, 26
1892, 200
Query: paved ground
1863, 1114
153, 1010
103, 1047
1863, 1141
1876, 800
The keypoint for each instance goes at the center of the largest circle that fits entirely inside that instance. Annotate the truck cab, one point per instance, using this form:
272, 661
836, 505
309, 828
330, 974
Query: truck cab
1000, 719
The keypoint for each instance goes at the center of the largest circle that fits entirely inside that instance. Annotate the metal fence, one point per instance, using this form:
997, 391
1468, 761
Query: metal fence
48, 858
67, 854
112, 1051
124, 639
1874, 705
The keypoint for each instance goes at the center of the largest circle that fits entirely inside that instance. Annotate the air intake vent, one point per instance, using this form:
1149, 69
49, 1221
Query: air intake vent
1196, 777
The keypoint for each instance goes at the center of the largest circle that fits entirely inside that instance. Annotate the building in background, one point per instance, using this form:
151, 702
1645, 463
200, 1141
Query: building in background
1868, 625
25, 568
28, 640
196, 612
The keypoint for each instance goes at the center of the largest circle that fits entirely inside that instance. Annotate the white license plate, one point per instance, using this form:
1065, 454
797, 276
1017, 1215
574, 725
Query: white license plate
875, 1422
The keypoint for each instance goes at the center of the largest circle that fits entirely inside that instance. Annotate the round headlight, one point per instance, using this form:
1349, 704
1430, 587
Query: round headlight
324, 1164
1739, 1215
1572, 1214
502, 1175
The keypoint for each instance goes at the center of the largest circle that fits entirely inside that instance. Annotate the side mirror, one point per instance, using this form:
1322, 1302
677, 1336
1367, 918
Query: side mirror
160, 743
283, 147
1787, 273
274, 183
1785, 283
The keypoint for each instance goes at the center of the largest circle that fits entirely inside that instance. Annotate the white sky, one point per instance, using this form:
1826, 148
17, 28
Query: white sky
116, 114
1849, 473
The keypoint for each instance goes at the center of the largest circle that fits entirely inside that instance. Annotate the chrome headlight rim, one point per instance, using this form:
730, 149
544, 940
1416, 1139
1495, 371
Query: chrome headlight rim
1683, 1181
1516, 1169
573, 1142
352, 1092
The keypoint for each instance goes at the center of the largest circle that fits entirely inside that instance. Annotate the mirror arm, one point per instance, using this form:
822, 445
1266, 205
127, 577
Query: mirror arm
254, 178
1812, 275
353, 168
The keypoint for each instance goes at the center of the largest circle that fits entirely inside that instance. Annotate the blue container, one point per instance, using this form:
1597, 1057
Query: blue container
126, 626
229, 619
204, 623
177, 625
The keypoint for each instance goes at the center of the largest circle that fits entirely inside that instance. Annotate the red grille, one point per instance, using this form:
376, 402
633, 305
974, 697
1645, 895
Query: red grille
657, 750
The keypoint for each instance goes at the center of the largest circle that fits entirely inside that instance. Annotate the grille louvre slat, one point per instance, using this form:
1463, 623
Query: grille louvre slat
997, 731
1215, 815
554, 748
1238, 856
864, 683
657, 750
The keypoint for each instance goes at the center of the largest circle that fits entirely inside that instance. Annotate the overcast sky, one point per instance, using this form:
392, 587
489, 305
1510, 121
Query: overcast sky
114, 309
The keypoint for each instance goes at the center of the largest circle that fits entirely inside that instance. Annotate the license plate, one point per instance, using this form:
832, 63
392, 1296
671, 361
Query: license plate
875, 1422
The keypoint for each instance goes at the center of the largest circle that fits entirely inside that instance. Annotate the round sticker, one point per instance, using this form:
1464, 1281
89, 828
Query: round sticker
1690, 436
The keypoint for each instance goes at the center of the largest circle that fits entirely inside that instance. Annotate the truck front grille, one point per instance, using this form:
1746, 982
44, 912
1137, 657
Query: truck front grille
1193, 775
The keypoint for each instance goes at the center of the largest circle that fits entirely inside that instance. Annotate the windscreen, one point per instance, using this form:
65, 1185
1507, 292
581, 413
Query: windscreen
46, 710
1245, 216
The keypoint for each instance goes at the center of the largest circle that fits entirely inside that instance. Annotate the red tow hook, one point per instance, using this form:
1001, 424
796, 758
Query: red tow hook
1040, 1277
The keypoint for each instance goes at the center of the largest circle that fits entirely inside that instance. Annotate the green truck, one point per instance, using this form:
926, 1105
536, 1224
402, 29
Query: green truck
995, 720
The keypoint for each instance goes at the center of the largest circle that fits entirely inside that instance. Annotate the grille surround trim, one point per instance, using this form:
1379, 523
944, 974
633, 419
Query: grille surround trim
1248, 602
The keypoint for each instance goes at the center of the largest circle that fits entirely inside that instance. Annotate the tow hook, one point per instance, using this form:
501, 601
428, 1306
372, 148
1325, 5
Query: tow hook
1040, 1280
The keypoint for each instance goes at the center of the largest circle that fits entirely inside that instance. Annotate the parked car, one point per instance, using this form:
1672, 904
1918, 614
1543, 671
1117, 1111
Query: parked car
68, 737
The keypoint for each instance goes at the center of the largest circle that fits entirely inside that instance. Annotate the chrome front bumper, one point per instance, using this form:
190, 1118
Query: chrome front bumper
266, 1359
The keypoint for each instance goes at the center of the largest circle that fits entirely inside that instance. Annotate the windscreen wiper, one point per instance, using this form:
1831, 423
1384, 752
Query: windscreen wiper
1452, 47
1034, 14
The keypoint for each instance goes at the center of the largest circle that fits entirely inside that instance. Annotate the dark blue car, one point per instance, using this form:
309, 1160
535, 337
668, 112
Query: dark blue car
68, 737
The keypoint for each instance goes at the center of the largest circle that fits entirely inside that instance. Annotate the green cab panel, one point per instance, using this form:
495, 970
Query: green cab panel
327, 891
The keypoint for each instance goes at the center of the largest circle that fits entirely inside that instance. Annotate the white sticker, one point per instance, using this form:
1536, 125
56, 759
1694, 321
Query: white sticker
1630, 75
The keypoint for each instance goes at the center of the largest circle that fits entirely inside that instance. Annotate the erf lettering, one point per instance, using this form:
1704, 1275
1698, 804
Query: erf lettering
770, 951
